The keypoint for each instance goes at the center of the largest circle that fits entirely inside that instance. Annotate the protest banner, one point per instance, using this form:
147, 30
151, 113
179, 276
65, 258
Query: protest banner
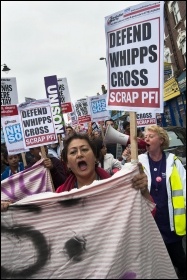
145, 119
97, 108
9, 97
95, 235
51, 86
37, 123
13, 134
65, 98
82, 110
32, 180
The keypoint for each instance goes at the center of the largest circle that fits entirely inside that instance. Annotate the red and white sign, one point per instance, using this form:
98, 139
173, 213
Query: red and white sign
135, 59
145, 119
37, 123
64, 95
82, 110
9, 97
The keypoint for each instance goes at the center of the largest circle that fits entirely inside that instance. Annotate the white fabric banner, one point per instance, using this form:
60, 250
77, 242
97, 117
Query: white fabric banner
101, 231
33, 180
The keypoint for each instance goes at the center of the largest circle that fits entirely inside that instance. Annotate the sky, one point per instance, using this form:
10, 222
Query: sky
62, 38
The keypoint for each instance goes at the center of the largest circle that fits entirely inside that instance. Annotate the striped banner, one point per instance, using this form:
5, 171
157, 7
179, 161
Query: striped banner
101, 231
33, 180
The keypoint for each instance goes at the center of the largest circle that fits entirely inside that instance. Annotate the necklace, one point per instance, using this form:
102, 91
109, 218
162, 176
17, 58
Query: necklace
155, 168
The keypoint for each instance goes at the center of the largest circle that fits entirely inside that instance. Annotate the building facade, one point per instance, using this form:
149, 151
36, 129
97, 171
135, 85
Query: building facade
175, 64
174, 67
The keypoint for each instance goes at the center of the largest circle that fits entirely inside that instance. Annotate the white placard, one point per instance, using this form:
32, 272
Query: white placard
13, 134
97, 105
135, 62
37, 123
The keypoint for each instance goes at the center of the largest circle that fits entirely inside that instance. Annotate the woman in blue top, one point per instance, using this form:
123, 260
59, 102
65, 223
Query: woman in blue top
14, 166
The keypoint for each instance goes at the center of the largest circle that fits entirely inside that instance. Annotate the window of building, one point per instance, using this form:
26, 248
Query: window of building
176, 12
167, 116
183, 48
168, 69
170, 3
165, 37
181, 42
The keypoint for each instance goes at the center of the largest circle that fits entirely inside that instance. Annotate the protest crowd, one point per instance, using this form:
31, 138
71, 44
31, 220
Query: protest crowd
89, 148
95, 198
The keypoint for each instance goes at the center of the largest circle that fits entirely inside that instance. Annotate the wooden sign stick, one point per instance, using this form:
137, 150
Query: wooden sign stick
24, 159
43, 155
102, 131
133, 138
61, 145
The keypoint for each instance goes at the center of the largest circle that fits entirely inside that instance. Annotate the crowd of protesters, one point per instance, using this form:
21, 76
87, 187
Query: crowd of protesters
162, 173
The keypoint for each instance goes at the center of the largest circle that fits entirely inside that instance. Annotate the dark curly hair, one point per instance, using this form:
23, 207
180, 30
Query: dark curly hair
77, 136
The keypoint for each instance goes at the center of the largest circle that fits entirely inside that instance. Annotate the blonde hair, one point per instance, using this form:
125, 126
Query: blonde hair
161, 133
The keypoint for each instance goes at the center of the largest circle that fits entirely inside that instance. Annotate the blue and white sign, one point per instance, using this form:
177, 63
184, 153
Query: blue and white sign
97, 105
13, 134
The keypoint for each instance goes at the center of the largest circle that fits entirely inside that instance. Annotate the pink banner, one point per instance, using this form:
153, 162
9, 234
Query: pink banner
33, 180
101, 231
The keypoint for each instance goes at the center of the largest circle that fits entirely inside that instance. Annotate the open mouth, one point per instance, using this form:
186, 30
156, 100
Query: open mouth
147, 145
82, 165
